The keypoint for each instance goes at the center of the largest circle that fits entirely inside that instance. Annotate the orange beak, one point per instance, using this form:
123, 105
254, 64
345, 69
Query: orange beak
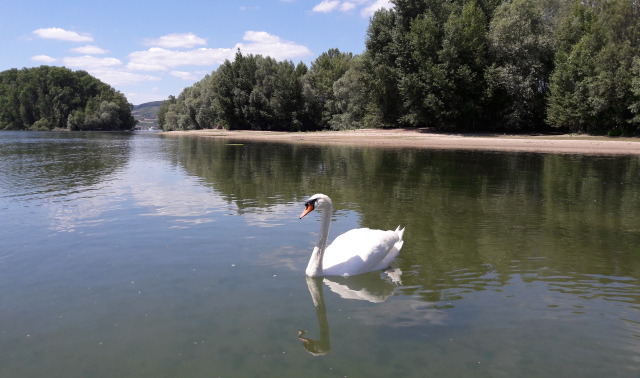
307, 209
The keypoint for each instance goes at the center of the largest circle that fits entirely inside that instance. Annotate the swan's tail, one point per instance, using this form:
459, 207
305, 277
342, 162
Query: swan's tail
399, 243
393, 252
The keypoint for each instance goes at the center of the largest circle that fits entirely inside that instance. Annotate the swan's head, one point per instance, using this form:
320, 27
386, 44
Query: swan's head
315, 347
317, 201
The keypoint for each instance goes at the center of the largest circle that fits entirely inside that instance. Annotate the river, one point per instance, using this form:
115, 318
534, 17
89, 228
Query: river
138, 254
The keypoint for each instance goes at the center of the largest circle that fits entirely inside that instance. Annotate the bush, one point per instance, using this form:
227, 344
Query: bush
42, 124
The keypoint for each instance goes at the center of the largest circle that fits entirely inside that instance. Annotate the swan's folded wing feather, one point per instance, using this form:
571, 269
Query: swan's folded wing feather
359, 251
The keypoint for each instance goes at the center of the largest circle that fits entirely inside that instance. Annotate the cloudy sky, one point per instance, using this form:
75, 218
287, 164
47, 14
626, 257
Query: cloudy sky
149, 50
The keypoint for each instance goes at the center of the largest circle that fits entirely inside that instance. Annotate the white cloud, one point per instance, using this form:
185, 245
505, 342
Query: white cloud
270, 45
378, 4
190, 76
326, 6
260, 37
347, 6
177, 40
369, 6
161, 59
89, 49
116, 77
107, 69
62, 35
114, 72
43, 58
88, 62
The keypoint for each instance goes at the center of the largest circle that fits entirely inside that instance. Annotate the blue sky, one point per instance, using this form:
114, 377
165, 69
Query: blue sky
149, 50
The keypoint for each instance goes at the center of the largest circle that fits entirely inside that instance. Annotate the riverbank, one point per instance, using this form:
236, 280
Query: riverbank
422, 138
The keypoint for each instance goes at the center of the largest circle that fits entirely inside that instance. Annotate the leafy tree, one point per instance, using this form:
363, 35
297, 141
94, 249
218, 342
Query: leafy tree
324, 71
286, 102
635, 88
381, 73
252, 92
75, 121
442, 53
162, 113
351, 98
46, 98
205, 107
234, 84
463, 57
592, 85
521, 48
105, 117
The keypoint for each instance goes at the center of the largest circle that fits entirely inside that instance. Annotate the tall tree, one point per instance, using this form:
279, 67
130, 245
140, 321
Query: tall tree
441, 67
324, 71
592, 85
351, 98
521, 49
380, 70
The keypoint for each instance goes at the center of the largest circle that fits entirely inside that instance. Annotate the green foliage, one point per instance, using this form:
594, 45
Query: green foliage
42, 124
350, 98
46, 98
163, 118
326, 70
381, 72
521, 48
259, 93
635, 88
515, 65
593, 86
252, 92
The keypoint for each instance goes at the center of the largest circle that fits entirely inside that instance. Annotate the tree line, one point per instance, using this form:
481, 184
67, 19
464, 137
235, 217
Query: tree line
456, 65
49, 98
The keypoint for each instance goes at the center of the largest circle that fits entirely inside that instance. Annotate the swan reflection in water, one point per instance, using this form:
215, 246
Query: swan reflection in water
366, 287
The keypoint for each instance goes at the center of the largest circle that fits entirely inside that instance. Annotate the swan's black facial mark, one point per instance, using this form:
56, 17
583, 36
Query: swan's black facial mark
308, 207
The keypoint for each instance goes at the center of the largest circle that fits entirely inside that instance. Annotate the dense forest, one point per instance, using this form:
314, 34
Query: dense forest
456, 65
49, 98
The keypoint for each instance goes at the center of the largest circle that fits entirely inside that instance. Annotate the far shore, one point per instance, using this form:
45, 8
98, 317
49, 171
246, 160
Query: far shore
424, 138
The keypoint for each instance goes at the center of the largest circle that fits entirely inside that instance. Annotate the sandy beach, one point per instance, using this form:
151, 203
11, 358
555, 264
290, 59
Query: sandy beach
422, 138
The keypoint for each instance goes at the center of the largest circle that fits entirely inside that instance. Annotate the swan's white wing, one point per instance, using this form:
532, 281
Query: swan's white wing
359, 251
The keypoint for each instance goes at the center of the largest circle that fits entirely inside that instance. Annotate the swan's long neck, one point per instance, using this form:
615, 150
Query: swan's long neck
322, 346
314, 269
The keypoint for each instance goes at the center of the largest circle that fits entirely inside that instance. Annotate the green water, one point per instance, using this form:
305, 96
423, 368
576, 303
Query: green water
145, 255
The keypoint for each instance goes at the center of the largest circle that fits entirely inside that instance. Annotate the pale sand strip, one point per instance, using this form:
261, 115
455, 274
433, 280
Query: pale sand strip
416, 138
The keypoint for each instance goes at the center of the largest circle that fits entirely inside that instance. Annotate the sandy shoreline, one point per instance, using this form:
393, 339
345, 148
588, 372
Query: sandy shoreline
417, 138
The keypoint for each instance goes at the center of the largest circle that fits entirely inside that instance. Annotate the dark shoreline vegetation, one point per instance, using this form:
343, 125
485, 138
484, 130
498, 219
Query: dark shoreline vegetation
56, 98
458, 65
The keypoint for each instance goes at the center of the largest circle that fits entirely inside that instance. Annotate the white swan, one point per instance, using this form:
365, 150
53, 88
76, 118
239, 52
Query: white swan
355, 252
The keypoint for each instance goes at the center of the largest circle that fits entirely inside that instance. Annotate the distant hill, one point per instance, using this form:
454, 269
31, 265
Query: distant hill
146, 114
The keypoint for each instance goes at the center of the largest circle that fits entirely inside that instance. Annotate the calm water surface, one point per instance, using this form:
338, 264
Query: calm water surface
144, 255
